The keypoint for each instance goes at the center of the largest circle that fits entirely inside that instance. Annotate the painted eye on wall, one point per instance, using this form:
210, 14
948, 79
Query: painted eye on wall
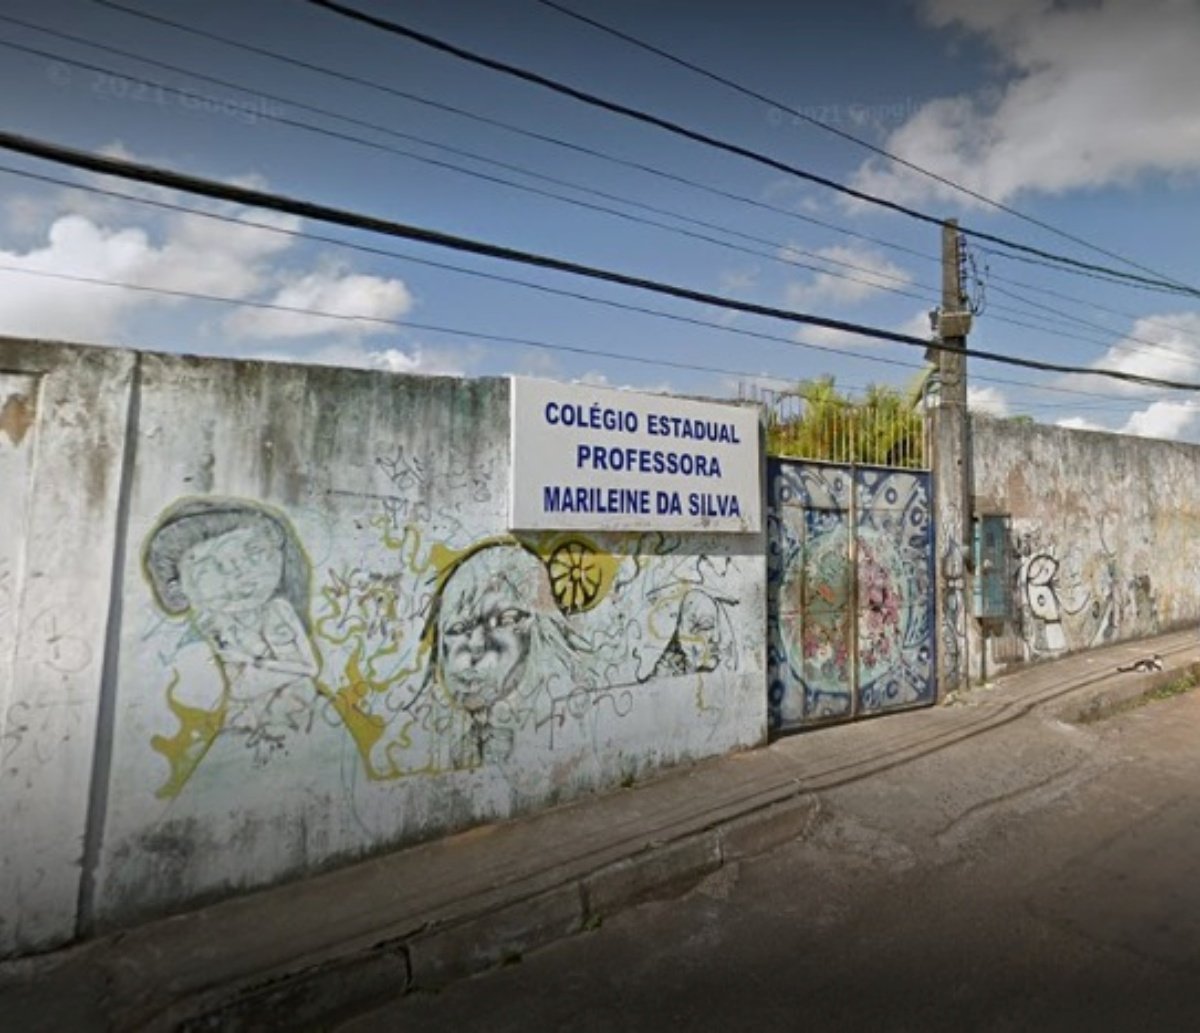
508, 617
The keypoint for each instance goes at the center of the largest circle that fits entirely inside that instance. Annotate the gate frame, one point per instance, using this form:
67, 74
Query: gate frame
934, 569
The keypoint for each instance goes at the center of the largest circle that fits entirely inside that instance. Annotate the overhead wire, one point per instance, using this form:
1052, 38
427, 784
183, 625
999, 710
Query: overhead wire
139, 172
783, 254
1088, 303
1147, 343
725, 328
1100, 276
509, 127
420, 325
677, 129
543, 288
842, 134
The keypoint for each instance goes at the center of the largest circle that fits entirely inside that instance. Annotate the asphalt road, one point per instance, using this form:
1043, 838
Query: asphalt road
1043, 877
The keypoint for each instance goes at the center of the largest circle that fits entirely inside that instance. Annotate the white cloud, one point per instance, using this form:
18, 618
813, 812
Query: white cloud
1094, 93
1078, 423
735, 282
65, 233
1166, 347
916, 325
594, 378
333, 290
195, 255
445, 362
987, 400
417, 359
1170, 420
753, 387
844, 286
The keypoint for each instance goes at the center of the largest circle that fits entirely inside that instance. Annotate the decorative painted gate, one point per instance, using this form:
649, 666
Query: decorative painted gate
850, 591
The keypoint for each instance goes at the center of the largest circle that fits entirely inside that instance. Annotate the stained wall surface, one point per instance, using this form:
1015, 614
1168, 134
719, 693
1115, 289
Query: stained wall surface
1104, 537
310, 636
63, 416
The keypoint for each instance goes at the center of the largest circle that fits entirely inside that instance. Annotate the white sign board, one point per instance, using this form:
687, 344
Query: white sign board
597, 459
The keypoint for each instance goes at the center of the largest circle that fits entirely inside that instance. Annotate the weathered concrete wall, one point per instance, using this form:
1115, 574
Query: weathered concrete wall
62, 445
1105, 537
325, 643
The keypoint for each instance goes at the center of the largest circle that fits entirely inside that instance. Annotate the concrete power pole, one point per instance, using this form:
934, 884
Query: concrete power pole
952, 468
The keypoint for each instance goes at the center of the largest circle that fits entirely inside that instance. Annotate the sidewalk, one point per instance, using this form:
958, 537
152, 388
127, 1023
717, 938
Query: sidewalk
300, 954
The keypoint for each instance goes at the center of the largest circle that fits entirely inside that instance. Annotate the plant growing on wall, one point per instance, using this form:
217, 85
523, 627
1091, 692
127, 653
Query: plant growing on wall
885, 428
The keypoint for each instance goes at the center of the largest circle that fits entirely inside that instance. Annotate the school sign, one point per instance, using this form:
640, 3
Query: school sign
598, 459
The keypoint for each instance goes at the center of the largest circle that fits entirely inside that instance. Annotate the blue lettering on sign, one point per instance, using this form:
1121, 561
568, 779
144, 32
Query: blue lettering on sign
705, 504
602, 501
645, 460
687, 429
594, 417
667, 503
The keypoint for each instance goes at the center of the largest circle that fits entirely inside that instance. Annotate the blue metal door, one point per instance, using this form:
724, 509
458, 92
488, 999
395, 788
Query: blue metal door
850, 592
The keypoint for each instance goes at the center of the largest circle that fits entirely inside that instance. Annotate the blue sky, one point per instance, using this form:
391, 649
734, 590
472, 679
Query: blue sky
1080, 115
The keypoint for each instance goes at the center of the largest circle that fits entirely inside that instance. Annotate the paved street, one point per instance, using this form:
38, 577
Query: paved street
1041, 876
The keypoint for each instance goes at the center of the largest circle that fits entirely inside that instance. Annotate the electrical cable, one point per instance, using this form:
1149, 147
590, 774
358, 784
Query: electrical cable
1085, 303
786, 249
859, 141
408, 324
488, 276
142, 173
505, 126
675, 128
526, 284
772, 256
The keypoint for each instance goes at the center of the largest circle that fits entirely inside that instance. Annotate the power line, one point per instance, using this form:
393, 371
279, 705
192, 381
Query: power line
784, 258
1076, 320
1106, 276
696, 136
1116, 343
1085, 303
142, 173
542, 288
857, 140
495, 123
404, 324
374, 145
408, 324
518, 282
355, 220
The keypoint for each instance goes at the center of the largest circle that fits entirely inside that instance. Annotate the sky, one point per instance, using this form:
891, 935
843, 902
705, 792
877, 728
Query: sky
1079, 115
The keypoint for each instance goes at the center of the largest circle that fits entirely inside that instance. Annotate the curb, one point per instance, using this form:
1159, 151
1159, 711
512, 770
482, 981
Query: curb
1106, 700
346, 982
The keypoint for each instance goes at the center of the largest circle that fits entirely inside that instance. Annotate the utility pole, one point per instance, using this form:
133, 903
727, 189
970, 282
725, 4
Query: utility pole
952, 467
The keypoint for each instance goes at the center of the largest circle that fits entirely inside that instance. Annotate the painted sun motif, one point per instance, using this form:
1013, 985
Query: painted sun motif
575, 576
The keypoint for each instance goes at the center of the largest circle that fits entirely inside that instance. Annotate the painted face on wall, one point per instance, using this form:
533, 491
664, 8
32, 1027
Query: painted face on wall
236, 571
485, 625
699, 631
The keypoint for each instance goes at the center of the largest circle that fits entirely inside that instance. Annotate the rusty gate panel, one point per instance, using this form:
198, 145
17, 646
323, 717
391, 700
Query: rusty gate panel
850, 600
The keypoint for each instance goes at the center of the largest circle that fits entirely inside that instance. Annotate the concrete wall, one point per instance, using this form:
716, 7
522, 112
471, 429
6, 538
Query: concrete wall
62, 448
1104, 542
292, 630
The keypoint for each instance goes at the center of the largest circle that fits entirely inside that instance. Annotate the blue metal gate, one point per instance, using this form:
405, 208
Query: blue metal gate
850, 592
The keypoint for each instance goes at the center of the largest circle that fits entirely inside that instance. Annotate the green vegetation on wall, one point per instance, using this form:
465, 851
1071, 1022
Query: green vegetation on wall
886, 427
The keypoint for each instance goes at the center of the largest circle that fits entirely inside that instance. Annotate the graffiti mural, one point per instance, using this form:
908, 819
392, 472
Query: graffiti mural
434, 651
953, 629
850, 592
518, 642
1079, 596
234, 577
